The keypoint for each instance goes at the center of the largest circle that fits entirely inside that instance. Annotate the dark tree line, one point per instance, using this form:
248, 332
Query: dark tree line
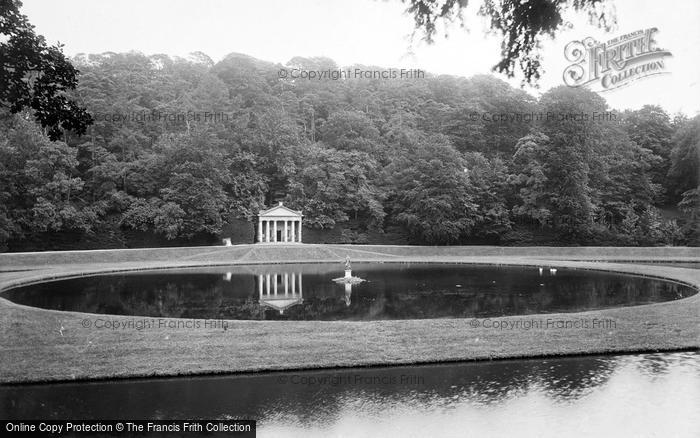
448, 160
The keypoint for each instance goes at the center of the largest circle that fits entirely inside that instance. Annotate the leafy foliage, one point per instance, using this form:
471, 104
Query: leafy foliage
432, 192
444, 160
37, 76
520, 24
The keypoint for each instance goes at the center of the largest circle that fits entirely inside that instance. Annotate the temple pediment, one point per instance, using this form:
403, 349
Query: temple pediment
279, 211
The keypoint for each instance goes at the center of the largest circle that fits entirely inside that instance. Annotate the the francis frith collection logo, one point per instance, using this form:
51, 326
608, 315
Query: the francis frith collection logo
615, 63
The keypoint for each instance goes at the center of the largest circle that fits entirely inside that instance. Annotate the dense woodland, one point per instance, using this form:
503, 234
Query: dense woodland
186, 150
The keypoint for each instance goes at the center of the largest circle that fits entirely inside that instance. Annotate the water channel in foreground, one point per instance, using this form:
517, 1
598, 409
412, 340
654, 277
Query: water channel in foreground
644, 395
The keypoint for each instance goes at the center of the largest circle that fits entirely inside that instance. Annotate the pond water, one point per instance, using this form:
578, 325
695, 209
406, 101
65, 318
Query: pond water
634, 395
307, 292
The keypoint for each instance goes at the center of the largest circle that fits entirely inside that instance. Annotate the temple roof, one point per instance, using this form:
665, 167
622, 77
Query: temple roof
280, 211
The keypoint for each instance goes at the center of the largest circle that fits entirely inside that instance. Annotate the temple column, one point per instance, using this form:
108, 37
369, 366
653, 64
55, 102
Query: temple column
293, 233
299, 232
274, 231
285, 232
260, 235
267, 231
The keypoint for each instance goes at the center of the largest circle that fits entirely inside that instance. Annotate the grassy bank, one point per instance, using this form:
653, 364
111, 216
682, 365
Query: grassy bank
263, 253
43, 345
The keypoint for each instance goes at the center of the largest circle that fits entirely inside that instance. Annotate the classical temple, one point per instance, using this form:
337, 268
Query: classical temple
279, 224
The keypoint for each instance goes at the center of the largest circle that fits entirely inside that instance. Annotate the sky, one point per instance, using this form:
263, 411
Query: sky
369, 32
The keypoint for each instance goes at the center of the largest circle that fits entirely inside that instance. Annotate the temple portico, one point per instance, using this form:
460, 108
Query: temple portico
279, 224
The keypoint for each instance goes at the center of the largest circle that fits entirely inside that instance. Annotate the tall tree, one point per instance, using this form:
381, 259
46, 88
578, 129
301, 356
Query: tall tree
574, 134
650, 127
40, 187
431, 192
333, 185
181, 186
684, 174
530, 180
37, 76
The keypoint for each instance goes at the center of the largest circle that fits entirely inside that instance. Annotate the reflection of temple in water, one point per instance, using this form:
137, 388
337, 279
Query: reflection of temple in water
280, 291
283, 290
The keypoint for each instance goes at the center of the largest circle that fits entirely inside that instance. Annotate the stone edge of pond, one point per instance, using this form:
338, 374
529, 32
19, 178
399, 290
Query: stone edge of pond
690, 277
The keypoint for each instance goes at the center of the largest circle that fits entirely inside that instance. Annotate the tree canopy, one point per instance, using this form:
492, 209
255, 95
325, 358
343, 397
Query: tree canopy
181, 148
36, 75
